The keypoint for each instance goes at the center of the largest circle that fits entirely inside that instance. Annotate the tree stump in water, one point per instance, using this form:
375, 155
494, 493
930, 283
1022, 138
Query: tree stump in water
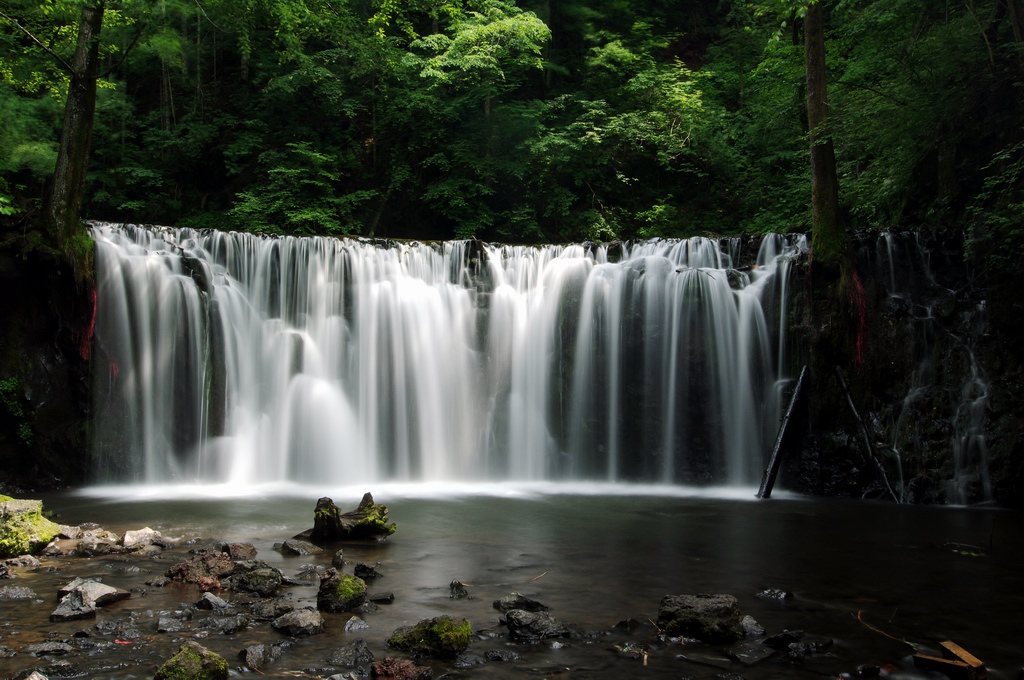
368, 521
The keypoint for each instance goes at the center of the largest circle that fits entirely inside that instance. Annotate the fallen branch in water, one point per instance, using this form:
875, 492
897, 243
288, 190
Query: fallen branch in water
860, 617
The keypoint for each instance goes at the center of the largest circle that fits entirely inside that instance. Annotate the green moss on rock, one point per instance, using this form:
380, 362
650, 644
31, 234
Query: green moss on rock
349, 587
443, 637
193, 662
23, 529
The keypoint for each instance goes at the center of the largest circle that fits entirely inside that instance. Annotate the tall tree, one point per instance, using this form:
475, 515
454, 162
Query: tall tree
830, 242
62, 209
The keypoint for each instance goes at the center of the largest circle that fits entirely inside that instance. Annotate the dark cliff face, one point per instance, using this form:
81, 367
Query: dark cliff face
44, 351
936, 389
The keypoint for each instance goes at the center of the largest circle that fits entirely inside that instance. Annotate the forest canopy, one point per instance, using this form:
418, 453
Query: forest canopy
522, 121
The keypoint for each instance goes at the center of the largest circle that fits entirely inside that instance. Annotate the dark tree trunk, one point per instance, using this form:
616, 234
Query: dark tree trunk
830, 243
64, 199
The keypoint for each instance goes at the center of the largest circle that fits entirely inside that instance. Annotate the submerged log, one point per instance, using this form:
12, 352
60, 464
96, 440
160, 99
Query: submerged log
368, 521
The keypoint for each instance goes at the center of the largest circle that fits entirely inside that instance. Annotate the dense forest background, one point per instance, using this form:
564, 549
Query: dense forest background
540, 120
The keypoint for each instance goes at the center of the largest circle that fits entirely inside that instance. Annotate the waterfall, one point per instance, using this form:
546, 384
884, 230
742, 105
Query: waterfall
245, 359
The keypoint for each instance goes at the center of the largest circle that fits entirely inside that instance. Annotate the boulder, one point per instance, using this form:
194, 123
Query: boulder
338, 561
299, 623
239, 551
533, 626
193, 662
268, 610
23, 529
81, 597
99, 594
714, 619
366, 572
368, 521
382, 598
340, 592
355, 624
516, 601
295, 546
442, 637
351, 655
390, 668
142, 538
17, 593
258, 656
212, 602
204, 564
254, 576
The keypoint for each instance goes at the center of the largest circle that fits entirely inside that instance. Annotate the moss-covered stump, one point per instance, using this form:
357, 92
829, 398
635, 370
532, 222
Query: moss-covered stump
193, 662
340, 592
23, 529
443, 637
368, 521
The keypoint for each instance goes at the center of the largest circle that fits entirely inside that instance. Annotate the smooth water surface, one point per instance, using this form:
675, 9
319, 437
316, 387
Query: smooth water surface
595, 559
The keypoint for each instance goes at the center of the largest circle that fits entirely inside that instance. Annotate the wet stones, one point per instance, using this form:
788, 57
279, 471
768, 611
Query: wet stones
299, 547
254, 576
516, 601
204, 565
351, 655
525, 626
714, 619
256, 657
299, 623
81, 597
239, 551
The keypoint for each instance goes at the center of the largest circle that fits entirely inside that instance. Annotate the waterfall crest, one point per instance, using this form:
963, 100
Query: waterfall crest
243, 359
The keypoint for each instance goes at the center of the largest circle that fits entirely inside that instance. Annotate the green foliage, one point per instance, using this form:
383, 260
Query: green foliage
520, 121
996, 236
10, 397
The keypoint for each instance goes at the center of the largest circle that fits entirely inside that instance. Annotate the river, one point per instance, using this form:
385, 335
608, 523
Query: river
875, 579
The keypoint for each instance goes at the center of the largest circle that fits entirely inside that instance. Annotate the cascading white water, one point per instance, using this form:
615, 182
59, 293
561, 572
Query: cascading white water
244, 359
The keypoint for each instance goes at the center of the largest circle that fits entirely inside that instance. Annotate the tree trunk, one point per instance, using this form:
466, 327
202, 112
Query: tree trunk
64, 198
830, 244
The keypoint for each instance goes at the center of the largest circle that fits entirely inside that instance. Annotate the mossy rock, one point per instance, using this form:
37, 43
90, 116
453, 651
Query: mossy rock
23, 529
193, 662
340, 592
443, 637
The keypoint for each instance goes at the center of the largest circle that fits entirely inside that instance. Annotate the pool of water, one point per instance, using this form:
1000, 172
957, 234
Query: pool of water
878, 580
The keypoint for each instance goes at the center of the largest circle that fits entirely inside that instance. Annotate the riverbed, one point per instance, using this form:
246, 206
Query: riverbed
871, 582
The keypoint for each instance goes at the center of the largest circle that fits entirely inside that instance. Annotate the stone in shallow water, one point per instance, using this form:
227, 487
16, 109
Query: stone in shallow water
49, 649
516, 601
714, 619
301, 622
258, 656
351, 655
194, 661
17, 593
533, 626
774, 594
355, 624
239, 551
299, 547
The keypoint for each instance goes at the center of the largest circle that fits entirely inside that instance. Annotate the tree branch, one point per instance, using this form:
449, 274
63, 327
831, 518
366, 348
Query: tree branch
124, 56
63, 64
